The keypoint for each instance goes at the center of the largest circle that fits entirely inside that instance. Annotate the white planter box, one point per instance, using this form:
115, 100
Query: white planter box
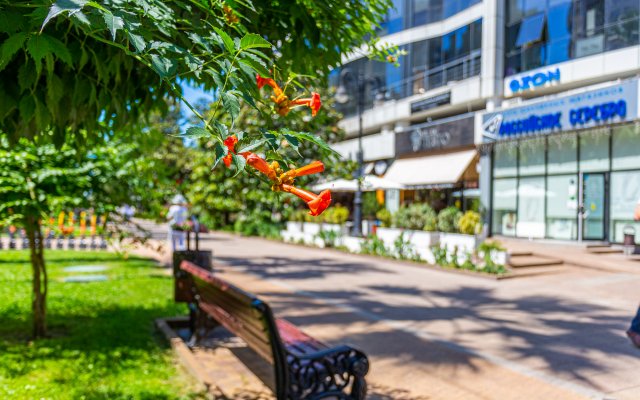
311, 228
294, 227
388, 236
466, 243
332, 228
352, 243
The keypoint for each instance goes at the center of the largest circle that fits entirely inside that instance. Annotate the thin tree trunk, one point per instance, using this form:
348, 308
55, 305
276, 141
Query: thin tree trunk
40, 280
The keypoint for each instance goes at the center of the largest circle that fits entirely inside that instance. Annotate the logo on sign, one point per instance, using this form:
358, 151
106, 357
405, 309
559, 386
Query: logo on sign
532, 81
429, 139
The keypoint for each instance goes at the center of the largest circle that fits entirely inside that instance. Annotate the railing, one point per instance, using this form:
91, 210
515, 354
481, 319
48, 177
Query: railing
424, 80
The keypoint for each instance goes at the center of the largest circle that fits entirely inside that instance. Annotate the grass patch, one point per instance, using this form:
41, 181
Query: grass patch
103, 343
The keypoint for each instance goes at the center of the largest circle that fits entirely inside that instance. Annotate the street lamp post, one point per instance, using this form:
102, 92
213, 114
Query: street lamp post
359, 82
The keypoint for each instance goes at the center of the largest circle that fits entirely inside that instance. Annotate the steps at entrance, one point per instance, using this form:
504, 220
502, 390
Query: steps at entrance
603, 249
531, 260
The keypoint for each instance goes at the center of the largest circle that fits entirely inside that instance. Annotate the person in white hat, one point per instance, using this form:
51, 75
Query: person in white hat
177, 219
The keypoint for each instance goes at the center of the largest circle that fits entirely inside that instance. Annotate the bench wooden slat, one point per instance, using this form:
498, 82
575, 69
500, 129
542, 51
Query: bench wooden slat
304, 367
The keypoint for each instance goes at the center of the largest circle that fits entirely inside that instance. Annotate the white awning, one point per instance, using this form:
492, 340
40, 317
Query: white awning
433, 170
369, 183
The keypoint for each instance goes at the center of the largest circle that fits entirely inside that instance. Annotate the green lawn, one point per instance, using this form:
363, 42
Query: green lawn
103, 343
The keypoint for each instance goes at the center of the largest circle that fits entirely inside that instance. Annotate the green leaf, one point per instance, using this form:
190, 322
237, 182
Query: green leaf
220, 128
196, 132
231, 104
252, 40
27, 107
59, 49
255, 66
11, 47
114, 23
308, 137
38, 47
293, 141
220, 152
238, 163
27, 76
60, 6
163, 66
137, 41
253, 145
226, 39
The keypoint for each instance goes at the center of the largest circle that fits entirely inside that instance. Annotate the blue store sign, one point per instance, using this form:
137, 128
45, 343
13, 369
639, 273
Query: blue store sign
538, 79
593, 108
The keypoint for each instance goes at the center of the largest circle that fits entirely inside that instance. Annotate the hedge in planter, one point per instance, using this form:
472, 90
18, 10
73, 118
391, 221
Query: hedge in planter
449, 219
416, 216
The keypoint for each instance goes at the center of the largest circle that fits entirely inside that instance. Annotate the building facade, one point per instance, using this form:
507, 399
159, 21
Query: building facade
551, 87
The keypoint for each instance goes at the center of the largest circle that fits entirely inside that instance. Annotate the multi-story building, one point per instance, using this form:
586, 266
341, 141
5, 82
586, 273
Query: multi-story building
546, 90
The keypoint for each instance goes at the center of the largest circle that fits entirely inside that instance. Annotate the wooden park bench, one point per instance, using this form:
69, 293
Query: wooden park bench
304, 368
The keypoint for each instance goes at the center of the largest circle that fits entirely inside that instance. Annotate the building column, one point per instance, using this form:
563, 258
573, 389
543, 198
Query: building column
493, 49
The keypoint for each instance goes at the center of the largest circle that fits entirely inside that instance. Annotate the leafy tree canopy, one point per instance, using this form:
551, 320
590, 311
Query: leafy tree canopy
96, 67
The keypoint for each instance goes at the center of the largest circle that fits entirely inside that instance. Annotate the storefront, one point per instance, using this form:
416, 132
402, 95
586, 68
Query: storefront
566, 168
436, 162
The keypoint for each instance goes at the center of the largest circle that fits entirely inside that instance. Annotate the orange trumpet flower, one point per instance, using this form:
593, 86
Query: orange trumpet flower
261, 165
230, 143
317, 202
314, 103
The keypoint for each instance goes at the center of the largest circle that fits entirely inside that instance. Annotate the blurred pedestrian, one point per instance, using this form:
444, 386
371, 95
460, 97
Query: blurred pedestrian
634, 330
177, 219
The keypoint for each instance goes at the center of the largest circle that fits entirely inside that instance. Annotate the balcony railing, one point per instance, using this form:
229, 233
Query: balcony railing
423, 80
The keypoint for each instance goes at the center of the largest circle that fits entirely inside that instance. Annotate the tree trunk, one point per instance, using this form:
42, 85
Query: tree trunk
39, 304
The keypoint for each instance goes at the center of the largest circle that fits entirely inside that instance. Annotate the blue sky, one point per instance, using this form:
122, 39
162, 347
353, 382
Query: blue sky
192, 94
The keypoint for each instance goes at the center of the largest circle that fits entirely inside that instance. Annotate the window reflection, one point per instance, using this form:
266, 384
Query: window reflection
540, 32
430, 64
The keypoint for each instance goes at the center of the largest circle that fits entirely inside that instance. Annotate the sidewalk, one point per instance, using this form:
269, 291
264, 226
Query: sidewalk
574, 254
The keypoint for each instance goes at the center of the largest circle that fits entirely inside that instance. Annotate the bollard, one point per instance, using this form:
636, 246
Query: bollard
71, 243
83, 242
93, 245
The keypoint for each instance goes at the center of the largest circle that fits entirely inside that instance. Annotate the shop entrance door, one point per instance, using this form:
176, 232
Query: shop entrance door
593, 208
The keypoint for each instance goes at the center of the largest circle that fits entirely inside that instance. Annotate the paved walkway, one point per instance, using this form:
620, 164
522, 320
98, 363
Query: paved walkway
437, 335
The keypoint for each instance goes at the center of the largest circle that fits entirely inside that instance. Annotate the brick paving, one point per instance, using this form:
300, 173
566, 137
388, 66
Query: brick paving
437, 335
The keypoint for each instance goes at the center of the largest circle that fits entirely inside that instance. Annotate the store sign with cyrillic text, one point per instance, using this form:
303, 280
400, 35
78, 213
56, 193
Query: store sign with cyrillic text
597, 107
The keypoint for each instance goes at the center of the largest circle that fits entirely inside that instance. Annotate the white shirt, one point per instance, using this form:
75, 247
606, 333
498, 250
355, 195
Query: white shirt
177, 215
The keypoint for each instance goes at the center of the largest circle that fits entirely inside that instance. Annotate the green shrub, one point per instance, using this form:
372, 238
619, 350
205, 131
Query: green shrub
374, 246
299, 215
470, 223
404, 249
448, 219
336, 215
370, 205
384, 216
329, 237
417, 216
258, 223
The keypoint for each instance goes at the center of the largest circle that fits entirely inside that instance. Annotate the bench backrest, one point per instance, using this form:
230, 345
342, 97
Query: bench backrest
240, 312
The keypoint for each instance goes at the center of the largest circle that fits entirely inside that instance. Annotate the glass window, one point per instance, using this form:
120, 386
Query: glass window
562, 155
621, 20
532, 7
420, 12
394, 79
594, 151
514, 10
435, 52
625, 189
562, 207
505, 160
394, 21
626, 142
530, 30
448, 46
419, 57
532, 156
559, 33
476, 35
531, 200
504, 207
463, 42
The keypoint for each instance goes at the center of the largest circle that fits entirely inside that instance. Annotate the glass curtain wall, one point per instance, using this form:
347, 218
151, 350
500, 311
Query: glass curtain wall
430, 64
545, 32
536, 184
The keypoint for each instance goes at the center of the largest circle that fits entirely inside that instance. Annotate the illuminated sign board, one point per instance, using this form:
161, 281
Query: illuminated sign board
535, 80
